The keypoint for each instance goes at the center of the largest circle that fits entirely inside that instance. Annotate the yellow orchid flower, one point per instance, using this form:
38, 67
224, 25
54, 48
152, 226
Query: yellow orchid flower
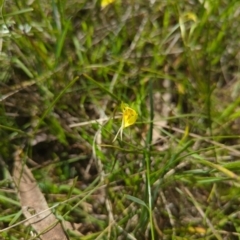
105, 3
129, 117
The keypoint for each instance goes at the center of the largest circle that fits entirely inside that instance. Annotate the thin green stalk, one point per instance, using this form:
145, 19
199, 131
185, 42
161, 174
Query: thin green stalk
148, 159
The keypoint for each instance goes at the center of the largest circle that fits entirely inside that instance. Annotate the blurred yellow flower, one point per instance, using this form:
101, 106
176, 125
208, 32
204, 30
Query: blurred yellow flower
105, 3
129, 115
129, 118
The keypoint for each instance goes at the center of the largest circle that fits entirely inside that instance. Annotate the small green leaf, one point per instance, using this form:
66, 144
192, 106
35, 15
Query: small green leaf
136, 200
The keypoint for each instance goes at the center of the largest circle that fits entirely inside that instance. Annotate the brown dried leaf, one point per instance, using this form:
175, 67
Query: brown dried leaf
33, 203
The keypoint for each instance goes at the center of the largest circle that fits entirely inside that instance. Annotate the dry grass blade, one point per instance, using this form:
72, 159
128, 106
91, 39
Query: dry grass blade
214, 231
33, 202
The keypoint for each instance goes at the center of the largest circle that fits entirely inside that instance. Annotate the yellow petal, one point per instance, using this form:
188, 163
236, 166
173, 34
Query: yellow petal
105, 3
129, 116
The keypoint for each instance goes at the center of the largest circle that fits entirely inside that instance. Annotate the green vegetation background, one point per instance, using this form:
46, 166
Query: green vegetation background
175, 174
